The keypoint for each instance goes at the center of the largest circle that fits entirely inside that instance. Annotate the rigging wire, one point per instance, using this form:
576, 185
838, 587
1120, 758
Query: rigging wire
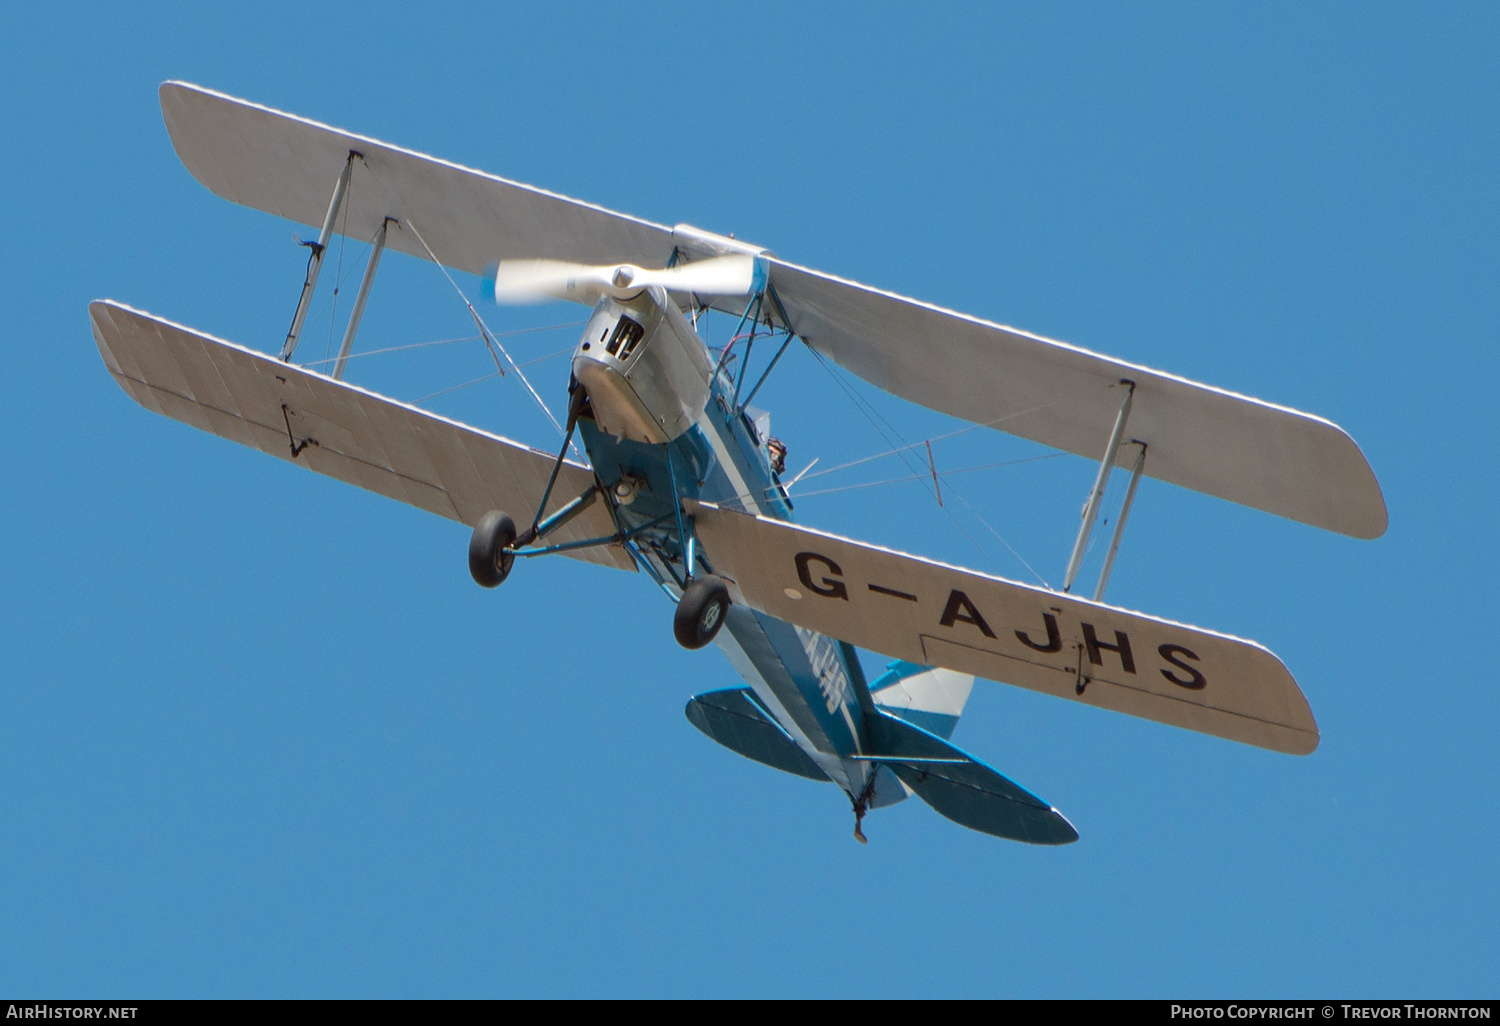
1116, 506
488, 377
404, 348
1001, 537
762, 493
924, 476
455, 388
940, 438
489, 336
467, 338
870, 414
338, 274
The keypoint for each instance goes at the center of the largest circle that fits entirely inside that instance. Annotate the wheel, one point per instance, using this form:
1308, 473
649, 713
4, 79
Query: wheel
701, 611
490, 555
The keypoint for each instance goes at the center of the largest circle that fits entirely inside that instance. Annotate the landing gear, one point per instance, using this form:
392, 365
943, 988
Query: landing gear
490, 552
700, 613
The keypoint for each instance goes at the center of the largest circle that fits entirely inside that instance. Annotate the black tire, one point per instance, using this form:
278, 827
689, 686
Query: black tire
701, 612
490, 555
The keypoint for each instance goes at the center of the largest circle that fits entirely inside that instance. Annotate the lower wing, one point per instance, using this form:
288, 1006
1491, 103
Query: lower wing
938, 615
338, 429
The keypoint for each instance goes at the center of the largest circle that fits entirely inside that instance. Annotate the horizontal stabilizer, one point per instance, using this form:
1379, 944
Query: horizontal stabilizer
339, 429
735, 719
930, 613
964, 789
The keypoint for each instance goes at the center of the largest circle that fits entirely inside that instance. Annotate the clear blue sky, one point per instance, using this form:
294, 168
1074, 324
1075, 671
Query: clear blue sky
261, 735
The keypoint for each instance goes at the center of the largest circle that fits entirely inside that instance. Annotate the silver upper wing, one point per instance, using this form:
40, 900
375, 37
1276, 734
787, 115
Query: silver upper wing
351, 434
287, 165
1268, 457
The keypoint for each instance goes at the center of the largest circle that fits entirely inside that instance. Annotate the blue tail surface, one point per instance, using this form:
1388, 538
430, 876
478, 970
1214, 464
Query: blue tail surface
965, 790
734, 718
956, 785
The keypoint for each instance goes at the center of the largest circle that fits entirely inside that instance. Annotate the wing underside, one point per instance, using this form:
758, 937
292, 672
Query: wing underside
937, 615
1203, 438
338, 429
287, 165
1267, 457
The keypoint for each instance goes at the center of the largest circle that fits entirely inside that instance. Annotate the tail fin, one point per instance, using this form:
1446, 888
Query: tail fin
928, 697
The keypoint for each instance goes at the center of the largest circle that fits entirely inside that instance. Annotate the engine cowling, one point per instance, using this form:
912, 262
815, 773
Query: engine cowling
644, 368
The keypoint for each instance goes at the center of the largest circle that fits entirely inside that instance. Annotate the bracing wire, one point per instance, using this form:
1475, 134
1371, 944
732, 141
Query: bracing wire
455, 388
467, 338
338, 274
939, 438
402, 349
922, 472
908, 479
870, 414
489, 336
1112, 513
489, 377
925, 475
1001, 537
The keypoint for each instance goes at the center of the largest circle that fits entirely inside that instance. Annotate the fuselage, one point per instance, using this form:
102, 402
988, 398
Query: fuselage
811, 684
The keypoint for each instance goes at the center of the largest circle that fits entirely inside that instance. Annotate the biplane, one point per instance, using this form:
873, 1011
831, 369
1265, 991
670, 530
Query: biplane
683, 483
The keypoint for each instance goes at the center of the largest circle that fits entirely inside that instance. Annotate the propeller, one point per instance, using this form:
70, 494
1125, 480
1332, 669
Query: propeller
530, 281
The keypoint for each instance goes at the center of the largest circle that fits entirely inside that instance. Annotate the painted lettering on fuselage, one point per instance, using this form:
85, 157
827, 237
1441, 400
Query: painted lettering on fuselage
833, 680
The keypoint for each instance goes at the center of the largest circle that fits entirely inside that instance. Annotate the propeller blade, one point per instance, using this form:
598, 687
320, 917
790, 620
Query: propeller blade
530, 281
717, 276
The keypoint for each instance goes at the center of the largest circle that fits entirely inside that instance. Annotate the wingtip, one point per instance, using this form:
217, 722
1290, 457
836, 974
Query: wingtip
1362, 512
171, 88
1376, 519
99, 310
1066, 832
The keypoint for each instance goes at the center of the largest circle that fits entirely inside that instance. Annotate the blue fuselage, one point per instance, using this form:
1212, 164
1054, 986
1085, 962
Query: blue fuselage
810, 683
